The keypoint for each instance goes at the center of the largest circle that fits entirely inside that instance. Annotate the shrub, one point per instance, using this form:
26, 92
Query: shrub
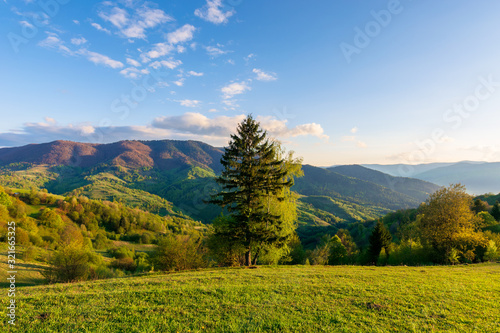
68, 264
126, 264
491, 253
179, 252
122, 252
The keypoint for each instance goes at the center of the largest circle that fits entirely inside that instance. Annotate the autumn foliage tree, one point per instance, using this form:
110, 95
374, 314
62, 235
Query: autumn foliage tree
449, 225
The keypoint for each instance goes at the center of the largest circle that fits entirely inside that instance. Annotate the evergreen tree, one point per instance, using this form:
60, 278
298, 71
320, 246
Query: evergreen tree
495, 211
379, 239
252, 178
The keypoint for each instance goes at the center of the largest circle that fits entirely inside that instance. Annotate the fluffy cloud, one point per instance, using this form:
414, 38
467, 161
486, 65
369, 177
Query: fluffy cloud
100, 28
101, 59
133, 72
190, 103
54, 42
235, 88
171, 64
183, 34
133, 62
158, 50
193, 73
189, 126
134, 25
78, 41
215, 51
263, 76
212, 12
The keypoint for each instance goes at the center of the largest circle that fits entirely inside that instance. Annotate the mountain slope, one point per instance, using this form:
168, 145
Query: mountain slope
163, 155
412, 187
169, 177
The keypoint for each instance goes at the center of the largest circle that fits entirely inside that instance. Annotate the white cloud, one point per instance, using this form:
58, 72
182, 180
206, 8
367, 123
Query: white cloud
212, 12
183, 34
263, 76
26, 24
100, 59
100, 28
189, 126
54, 42
171, 64
215, 51
78, 41
354, 130
76, 22
235, 88
117, 16
279, 128
134, 25
179, 82
159, 50
193, 73
133, 72
133, 62
196, 123
190, 103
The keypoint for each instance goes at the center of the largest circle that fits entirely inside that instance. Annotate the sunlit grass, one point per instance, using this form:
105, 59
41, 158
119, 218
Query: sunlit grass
279, 299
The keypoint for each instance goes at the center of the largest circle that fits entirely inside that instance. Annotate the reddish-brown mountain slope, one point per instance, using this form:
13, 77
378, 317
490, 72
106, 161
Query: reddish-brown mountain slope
164, 154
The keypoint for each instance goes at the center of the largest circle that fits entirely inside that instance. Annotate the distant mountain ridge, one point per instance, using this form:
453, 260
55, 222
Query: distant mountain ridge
169, 175
478, 177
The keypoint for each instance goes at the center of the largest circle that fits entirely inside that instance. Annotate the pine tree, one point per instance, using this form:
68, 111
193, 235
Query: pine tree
379, 239
495, 211
253, 172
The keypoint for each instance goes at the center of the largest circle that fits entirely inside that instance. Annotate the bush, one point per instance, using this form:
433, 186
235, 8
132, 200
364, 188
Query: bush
122, 252
104, 272
491, 253
125, 264
410, 252
179, 252
101, 242
68, 264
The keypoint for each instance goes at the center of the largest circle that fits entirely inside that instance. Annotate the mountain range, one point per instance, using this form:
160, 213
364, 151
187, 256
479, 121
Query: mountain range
169, 176
478, 177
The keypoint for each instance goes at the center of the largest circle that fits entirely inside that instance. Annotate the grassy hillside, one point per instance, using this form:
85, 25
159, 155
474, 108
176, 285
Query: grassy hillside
271, 299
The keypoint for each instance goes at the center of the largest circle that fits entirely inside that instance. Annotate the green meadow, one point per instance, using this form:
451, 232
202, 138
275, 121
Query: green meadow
464, 298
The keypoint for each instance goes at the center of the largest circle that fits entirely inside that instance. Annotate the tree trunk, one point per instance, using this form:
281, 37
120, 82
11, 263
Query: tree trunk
255, 257
248, 258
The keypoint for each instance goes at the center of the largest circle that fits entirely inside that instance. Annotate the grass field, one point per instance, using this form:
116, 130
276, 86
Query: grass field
270, 299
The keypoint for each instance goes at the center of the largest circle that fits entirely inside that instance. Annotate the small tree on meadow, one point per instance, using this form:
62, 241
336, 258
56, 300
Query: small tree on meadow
379, 239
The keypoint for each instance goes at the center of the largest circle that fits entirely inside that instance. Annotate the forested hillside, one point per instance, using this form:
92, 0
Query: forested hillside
178, 176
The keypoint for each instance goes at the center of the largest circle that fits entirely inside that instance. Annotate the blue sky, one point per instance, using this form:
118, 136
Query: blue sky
338, 82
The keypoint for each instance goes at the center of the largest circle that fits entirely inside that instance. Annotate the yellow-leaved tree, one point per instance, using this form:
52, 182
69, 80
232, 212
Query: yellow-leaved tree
450, 226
